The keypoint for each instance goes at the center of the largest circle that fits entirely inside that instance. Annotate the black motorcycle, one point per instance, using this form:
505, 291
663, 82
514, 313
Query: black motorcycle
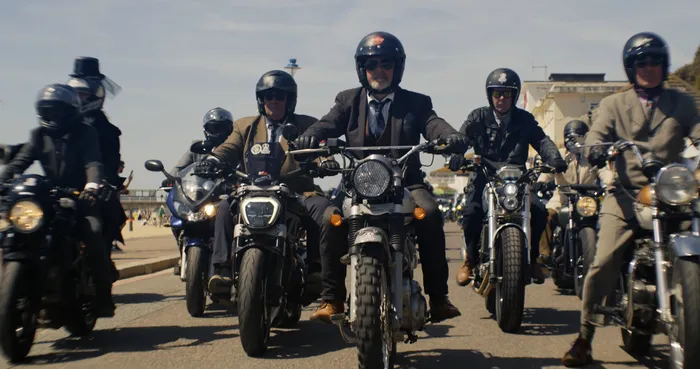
574, 239
46, 276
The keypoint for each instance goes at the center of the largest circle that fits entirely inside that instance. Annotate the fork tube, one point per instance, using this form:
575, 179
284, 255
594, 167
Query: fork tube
398, 243
492, 232
526, 223
661, 284
354, 227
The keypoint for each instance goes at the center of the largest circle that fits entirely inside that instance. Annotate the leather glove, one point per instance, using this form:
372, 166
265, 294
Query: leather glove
306, 142
330, 165
597, 156
88, 196
456, 161
205, 167
559, 165
457, 142
168, 182
543, 186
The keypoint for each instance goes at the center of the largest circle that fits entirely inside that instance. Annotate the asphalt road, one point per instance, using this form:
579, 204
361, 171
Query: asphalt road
152, 329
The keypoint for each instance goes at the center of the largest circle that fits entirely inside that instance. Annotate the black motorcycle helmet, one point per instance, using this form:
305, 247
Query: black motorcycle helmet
218, 125
503, 78
574, 132
640, 46
58, 108
278, 80
90, 92
385, 45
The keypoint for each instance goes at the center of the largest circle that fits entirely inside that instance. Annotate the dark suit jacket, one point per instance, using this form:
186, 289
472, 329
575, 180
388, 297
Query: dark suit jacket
77, 162
109, 145
412, 116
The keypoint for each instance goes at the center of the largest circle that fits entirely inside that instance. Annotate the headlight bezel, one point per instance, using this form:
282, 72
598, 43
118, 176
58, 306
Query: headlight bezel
662, 182
363, 168
32, 206
583, 206
276, 206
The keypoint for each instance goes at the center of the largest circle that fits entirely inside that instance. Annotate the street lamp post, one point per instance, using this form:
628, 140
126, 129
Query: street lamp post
292, 67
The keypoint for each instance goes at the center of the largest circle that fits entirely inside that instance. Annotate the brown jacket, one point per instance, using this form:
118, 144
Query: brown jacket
622, 117
249, 130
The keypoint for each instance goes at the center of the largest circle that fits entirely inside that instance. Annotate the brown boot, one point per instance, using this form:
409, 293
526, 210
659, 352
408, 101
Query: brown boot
579, 355
328, 309
464, 275
441, 308
537, 275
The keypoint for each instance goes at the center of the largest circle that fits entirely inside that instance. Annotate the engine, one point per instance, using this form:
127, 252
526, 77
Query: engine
415, 309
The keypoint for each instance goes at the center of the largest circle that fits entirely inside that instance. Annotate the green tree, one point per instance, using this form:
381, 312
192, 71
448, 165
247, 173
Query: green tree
691, 72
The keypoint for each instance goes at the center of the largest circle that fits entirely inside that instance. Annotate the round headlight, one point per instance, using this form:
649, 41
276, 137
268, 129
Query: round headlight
210, 210
586, 206
26, 216
510, 203
676, 185
510, 189
371, 179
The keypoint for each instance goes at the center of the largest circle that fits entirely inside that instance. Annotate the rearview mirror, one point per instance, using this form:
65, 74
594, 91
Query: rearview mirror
290, 132
154, 165
202, 147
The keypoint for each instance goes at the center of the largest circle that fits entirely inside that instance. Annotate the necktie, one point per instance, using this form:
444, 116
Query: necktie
377, 128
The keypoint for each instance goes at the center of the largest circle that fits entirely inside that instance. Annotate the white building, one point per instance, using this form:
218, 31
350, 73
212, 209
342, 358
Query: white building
564, 97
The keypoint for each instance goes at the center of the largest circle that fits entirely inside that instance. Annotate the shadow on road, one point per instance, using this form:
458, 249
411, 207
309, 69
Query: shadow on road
548, 322
143, 298
132, 339
459, 359
308, 339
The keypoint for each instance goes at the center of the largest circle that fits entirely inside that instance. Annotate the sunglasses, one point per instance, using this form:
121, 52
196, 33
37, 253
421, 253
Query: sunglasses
497, 94
644, 63
275, 95
371, 65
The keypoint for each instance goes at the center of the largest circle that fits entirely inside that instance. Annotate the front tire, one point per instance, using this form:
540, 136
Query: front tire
685, 336
510, 292
195, 294
18, 315
375, 339
254, 326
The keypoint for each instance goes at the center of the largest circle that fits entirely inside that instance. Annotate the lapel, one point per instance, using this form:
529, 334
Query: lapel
362, 118
635, 111
664, 104
512, 133
254, 135
397, 114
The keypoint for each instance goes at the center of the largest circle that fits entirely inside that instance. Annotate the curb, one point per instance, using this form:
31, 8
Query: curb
135, 269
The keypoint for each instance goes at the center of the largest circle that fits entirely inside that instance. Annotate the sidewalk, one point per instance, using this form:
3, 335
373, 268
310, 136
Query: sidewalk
147, 250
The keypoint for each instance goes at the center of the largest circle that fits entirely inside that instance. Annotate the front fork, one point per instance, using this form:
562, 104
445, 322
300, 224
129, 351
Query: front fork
493, 226
660, 268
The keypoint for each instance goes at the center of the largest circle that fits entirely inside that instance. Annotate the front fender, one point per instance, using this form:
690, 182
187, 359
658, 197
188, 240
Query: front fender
372, 236
685, 244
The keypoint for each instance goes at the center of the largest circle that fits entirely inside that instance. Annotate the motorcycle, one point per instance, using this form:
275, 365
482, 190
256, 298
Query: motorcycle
573, 241
47, 280
504, 252
659, 289
386, 304
192, 201
269, 251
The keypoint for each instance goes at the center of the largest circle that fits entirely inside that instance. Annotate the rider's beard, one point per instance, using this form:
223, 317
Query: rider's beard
379, 85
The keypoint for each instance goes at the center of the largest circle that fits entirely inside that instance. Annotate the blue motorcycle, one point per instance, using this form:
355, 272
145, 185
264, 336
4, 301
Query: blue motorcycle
192, 202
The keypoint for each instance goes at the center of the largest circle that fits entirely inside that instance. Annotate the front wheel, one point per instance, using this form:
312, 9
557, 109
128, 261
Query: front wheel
18, 315
685, 306
195, 295
510, 292
584, 259
376, 347
252, 307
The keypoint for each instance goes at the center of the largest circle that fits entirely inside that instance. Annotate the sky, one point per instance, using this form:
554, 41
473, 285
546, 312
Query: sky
177, 59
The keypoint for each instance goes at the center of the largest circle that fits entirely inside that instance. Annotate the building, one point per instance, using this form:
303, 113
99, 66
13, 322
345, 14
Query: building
564, 97
445, 181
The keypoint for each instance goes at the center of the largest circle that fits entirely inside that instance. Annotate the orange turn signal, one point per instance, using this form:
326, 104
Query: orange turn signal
419, 213
336, 220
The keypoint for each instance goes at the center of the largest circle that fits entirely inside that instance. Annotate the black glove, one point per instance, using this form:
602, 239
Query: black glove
543, 186
456, 162
330, 165
559, 165
168, 182
457, 142
597, 156
306, 142
88, 196
206, 167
